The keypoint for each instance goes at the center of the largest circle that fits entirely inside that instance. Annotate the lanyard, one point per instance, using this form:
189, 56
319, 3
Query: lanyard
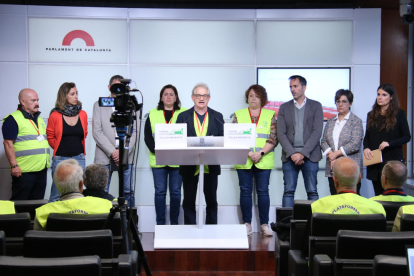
35, 127
344, 192
171, 117
251, 118
393, 191
198, 122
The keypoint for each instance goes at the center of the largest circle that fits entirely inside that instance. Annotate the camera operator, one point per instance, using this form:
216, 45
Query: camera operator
107, 151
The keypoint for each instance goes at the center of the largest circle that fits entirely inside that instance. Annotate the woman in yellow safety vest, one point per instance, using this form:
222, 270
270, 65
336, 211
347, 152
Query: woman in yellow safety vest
166, 113
261, 159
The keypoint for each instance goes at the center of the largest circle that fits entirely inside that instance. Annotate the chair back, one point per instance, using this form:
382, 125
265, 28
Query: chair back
407, 222
328, 225
283, 212
366, 245
15, 225
2, 243
29, 206
390, 265
43, 244
392, 207
302, 209
79, 266
79, 222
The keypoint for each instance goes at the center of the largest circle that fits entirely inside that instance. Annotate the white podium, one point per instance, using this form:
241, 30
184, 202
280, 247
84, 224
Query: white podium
221, 236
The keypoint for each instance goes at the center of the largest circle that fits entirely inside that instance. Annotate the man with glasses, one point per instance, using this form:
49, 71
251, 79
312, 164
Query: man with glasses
299, 129
201, 121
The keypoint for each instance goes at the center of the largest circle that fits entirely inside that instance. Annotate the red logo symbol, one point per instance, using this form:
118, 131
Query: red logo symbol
67, 40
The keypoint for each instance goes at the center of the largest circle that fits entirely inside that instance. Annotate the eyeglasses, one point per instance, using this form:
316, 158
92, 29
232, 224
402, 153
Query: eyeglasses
341, 102
199, 96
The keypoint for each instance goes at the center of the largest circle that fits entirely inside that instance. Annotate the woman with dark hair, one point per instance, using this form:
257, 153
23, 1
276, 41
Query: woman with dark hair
387, 130
166, 113
342, 136
260, 160
67, 129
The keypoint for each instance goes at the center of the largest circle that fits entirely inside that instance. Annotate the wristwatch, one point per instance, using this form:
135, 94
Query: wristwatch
262, 153
15, 166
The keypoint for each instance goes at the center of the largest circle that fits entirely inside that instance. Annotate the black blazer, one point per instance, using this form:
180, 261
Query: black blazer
215, 128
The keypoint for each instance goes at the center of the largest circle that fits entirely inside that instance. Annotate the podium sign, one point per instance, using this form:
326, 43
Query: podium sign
240, 135
170, 135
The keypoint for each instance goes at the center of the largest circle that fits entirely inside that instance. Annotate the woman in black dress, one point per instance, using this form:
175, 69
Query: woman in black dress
387, 130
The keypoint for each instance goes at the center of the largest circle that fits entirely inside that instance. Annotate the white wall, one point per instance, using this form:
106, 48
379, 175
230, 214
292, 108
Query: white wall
158, 46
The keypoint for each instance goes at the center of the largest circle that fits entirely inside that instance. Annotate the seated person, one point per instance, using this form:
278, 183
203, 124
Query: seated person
69, 182
394, 175
6, 207
95, 179
346, 175
407, 209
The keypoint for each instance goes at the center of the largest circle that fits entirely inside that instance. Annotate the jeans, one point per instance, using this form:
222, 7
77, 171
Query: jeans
262, 188
54, 193
190, 185
161, 175
128, 185
30, 185
290, 177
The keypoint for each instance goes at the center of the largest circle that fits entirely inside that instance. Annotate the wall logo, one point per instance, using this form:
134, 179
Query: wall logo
78, 34
72, 35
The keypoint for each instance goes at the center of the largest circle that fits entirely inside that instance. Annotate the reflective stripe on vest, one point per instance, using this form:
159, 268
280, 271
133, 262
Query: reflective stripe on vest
28, 138
263, 134
84, 205
6, 207
157, 117
347, 203
31, 155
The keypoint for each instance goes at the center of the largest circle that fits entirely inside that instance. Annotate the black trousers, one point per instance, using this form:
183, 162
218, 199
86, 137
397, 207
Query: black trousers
333, 190
377, 187
30, 185
190, 185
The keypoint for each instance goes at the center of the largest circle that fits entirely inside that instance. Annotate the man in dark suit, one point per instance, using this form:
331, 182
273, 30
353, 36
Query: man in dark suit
299, 130
201, 121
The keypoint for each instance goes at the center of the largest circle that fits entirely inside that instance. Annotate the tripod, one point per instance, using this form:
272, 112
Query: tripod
124, 210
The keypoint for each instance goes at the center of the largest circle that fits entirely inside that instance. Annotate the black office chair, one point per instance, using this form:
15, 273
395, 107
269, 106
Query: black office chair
281, 245
79, 266
356, 250
322, 239
391, 208
2, 243
390, 265
14, 227
300, 212
29, 206
407, 222
42, 244
80, 222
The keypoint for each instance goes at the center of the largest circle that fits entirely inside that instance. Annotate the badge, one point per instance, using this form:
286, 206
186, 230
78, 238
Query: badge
40, 138
260, 127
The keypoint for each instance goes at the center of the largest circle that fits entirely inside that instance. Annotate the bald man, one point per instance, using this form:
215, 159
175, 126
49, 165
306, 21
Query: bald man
68, 179
26, 147
346, 175
394, 175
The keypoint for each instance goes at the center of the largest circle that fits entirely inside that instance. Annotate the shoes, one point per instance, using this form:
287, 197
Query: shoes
248, 228
265, 231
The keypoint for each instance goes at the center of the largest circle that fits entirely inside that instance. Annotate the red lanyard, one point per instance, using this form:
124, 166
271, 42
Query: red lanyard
393, 191
344, 192
171, 117
35, 127
198, 122
251, 118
